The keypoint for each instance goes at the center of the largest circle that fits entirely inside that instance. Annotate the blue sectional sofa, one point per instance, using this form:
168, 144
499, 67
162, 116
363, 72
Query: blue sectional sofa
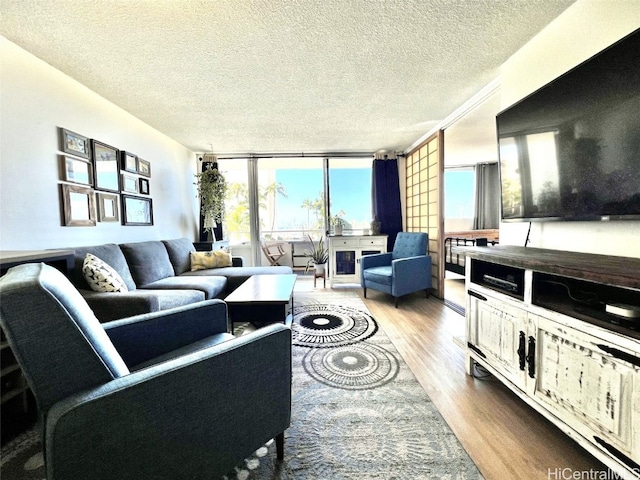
158, 276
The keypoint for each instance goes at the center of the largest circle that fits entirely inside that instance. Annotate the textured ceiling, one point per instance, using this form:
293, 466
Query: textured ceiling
281, 75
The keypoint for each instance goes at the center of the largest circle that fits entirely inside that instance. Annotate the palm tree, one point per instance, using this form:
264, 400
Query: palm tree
308, 205
271, 190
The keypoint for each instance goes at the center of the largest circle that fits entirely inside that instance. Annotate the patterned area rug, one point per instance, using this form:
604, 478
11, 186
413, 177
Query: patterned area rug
358, 411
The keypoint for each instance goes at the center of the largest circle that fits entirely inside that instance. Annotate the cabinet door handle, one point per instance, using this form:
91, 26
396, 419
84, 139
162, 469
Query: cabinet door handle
477, 295
522, 350
531, 357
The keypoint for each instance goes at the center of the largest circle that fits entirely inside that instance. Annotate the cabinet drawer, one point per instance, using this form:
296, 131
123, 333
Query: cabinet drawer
344, 242
372, 242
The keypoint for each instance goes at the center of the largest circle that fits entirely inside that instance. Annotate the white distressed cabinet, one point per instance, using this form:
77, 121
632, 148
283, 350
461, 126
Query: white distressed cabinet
537, 320
345, 252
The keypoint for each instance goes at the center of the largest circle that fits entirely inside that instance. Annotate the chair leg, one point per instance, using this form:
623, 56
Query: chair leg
280, 446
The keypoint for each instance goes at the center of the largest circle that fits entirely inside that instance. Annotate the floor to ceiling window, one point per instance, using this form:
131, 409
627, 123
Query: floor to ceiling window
350, 192
292, 202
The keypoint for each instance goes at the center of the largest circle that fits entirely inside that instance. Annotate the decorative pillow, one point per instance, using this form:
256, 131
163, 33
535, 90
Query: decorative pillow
204, 260
101, 277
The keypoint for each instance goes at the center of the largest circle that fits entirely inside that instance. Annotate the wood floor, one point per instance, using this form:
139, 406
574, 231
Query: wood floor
505, 438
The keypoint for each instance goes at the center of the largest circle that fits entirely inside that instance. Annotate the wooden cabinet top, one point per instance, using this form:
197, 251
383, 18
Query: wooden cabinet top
605, 269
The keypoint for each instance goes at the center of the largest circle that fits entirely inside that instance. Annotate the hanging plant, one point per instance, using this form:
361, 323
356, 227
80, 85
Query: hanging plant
212, 190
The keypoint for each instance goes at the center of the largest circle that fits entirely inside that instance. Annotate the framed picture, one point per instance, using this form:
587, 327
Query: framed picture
108, 208
136, 210
74, 143
105, 166
77, 170
144, 186
78, 205
144, 167
129, 183
129, 162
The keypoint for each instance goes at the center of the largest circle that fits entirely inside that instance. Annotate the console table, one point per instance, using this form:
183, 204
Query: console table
345, 252
537, 319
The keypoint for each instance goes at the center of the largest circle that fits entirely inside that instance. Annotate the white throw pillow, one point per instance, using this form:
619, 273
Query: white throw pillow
101, 277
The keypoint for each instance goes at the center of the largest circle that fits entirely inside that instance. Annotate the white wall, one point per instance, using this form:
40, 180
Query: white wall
584, 29
35, 101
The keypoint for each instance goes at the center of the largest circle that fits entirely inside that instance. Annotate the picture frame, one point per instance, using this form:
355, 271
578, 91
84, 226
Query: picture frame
144, 167
129, 183
129, 162
108, 207
78, 206
74, 144
77, 170
105, 167
137, 210
144, 186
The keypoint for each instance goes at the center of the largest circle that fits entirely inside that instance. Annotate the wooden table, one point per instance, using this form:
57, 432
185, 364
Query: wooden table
262, 299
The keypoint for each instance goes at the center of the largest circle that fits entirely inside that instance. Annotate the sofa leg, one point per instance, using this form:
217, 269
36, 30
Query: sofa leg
396, 300
280, 446
365, 291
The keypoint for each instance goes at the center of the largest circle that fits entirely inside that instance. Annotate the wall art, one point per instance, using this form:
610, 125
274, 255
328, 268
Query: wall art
144, 167
77, 170
74, 143
129, 162
129, 183
78, 205
136, 210
108, 207
105, 166
144, 186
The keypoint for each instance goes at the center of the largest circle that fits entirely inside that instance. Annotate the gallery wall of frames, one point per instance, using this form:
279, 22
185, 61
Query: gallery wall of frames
102, 183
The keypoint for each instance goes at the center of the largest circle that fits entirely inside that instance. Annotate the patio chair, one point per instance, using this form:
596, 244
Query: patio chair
274, 252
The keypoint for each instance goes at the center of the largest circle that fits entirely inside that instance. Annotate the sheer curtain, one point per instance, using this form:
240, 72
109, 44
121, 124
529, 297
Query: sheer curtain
487, 214
385, 198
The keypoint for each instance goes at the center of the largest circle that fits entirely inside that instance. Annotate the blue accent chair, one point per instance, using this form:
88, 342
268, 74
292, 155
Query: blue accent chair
168, 394
406, 269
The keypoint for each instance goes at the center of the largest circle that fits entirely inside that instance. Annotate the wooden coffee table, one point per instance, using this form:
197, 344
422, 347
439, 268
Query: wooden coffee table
262, 299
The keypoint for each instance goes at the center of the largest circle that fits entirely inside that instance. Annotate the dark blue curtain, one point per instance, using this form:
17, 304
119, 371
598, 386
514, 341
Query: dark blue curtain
217, 231
385, 196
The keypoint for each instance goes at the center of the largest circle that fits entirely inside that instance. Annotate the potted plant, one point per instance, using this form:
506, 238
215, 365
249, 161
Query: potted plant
318, 255
212, 189
338, 223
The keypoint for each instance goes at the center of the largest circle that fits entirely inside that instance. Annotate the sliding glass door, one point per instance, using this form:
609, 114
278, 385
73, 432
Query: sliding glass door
287, 199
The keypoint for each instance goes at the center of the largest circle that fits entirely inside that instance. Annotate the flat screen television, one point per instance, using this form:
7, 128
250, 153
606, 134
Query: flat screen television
571, 150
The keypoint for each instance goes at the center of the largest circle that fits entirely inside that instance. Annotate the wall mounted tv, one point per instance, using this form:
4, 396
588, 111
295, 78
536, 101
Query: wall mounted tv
571, 150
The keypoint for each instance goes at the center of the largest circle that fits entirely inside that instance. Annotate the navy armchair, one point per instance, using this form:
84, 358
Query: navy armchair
167, 394
406, 269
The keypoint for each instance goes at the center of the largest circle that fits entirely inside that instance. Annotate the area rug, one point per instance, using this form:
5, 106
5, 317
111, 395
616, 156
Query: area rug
357, 410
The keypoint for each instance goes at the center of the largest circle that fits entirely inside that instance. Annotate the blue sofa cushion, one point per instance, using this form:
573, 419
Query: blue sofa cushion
179, 250
148, 261
109, 253
212, 286
237, 275
380, 275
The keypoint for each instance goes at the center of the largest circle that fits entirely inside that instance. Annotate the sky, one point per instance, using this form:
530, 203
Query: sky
350, 191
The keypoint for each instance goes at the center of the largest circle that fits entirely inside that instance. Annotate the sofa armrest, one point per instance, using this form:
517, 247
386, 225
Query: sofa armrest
411, 274
140, 338
177, 419
375, 260
109, 306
